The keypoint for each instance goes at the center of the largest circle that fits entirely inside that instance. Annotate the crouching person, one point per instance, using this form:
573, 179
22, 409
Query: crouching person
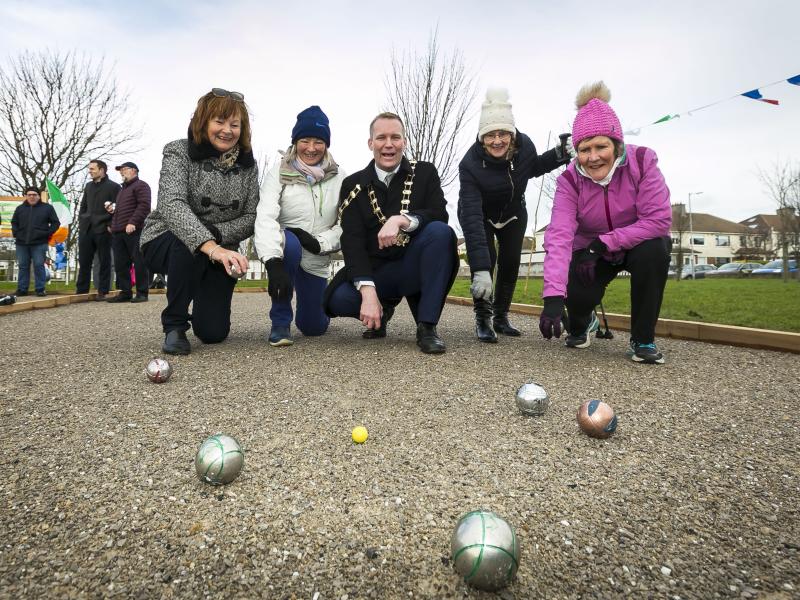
395, 240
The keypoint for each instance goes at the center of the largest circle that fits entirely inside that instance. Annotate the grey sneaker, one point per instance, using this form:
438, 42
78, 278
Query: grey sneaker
585, 339
645, 353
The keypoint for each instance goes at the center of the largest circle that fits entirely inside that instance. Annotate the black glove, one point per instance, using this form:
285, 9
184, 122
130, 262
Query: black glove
307, 241
550, 319
279, 285
587, 261
565, 152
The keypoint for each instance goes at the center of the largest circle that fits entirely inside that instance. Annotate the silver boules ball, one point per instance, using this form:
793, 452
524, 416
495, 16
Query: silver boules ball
219, 460
485, 550
158, 370
532, 399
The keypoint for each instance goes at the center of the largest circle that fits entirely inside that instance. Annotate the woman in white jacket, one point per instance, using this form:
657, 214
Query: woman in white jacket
296, 227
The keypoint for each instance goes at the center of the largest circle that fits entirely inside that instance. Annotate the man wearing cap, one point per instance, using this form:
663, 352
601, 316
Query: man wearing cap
94, 231
132, 206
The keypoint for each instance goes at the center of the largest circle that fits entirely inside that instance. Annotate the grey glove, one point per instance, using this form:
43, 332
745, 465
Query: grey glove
481, 287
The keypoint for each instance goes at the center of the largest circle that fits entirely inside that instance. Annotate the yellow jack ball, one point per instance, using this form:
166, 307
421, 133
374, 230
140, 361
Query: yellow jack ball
360, 434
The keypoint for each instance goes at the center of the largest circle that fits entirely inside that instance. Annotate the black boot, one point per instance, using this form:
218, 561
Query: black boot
380, 332
502, 301
428, 340
483, 322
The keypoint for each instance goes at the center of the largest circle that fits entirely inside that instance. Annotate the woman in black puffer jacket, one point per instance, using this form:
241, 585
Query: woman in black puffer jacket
493, 177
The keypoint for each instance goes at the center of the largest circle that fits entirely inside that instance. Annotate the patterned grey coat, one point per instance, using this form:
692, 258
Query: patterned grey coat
199, 200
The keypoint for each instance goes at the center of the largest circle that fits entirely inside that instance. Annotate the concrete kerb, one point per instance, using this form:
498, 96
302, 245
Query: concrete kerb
712, 333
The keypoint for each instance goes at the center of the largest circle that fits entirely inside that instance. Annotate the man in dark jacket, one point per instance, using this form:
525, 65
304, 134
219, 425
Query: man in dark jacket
32, 225
132, 206
395, 240
94, 229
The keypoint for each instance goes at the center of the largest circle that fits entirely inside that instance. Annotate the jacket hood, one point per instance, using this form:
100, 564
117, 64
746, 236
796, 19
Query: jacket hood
204, 150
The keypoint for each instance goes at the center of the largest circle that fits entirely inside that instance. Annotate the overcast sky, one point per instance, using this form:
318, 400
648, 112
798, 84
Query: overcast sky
285, 56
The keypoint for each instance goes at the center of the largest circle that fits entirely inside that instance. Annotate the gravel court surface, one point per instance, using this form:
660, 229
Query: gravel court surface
696, 495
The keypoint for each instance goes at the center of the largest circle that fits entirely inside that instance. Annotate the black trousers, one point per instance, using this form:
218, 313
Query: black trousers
191, 279
89, 244
127, 253
423, 275
506, 256
648, 264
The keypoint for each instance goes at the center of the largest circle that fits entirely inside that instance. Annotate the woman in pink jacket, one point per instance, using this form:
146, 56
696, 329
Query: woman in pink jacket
611, 213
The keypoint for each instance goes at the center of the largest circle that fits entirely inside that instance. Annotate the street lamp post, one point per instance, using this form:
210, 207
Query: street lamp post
691, 231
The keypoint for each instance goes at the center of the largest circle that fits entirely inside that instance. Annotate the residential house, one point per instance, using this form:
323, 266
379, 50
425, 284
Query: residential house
765, 234
704, 239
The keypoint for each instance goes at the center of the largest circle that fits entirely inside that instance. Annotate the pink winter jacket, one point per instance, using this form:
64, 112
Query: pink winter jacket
634, 207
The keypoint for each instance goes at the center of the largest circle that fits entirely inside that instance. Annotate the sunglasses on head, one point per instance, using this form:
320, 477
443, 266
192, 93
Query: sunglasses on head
222, 93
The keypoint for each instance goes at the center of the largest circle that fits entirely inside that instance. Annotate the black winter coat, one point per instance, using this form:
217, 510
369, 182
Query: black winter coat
360, 226
34, 224
92, 214
494, 189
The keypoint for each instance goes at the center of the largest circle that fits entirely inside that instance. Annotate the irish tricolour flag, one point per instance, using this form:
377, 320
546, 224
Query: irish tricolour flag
63, 212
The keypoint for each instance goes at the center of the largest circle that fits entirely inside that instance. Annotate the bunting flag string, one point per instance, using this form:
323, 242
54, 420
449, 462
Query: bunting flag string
754, 94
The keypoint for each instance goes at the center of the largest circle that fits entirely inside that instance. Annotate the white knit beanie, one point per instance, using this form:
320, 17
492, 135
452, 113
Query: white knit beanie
496, 113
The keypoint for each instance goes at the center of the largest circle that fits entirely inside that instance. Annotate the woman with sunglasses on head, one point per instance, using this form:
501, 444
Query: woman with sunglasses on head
296, 227
207, 199
493, 176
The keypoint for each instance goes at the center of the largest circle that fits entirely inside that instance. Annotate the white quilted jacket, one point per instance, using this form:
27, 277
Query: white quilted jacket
288, 200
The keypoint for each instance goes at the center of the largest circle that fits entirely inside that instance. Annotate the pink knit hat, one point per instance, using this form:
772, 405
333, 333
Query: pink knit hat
595, 116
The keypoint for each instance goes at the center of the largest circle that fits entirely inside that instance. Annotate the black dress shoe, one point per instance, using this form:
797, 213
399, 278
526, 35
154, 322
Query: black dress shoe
139, 298
119, 298
428, 340
380, 332
101, 297
176, 343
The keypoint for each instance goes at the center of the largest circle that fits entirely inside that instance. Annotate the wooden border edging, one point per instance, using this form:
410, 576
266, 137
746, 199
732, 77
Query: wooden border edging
712, 333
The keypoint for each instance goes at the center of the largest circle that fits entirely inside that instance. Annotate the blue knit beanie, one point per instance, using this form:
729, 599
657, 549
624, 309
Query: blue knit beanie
312, 122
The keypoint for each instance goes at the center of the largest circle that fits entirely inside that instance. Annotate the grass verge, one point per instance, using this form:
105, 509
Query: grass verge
760, 303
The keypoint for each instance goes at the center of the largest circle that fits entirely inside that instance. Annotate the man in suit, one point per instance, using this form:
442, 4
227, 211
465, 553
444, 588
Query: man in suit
395, 240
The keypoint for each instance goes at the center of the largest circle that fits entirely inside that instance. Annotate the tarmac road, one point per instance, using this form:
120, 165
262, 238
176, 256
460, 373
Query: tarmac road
695, 496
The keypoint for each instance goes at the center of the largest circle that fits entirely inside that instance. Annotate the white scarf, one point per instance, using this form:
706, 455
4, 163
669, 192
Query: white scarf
607, 179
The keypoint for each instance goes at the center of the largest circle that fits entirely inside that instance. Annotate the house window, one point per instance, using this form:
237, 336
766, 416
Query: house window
676, 241
698, 240
723, 240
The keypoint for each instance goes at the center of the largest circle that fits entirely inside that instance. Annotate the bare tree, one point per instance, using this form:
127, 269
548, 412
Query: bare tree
782, 182
57, 112
433, 94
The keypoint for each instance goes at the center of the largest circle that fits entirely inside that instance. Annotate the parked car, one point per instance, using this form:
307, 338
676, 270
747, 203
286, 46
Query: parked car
733, 269
775, 267
691, 271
